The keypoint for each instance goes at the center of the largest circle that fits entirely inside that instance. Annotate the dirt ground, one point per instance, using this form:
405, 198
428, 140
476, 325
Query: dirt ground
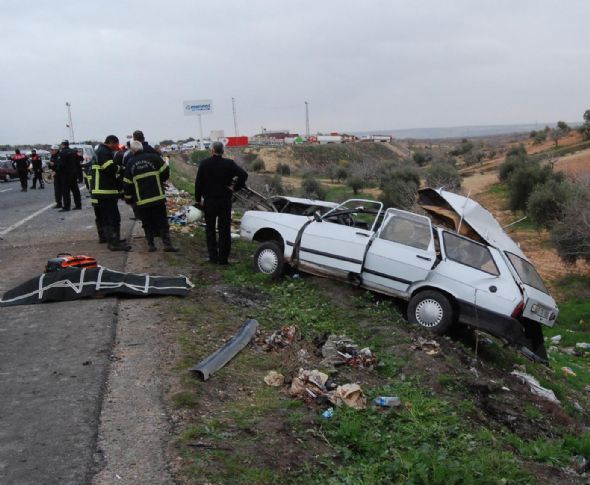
575, 165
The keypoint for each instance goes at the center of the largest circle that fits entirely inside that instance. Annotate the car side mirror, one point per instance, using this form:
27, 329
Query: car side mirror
317, 217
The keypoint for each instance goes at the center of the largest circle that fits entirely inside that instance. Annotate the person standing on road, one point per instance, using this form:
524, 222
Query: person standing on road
147, 148
53, 166
20, 163
217, 179
145, 174
105, 189
70, 169
37, 170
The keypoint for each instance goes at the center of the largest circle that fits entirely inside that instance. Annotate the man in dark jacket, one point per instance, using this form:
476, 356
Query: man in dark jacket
145, 174
106, 191
70, 175
216, 181
37, 170
20, 163
147, 148
53, 166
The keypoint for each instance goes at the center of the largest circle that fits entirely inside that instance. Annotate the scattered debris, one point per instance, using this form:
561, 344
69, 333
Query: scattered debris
242, 297
556, 339
342, 350
328, 413
76, 283
430, 347
302, 355
310, 383
583, 345
350, 395
274, 379
217, 360
387, 401
568, 371
578, 406
569, 350
535, 387
279, 339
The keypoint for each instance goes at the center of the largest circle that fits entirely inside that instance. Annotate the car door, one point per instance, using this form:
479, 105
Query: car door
401, 253
336, 248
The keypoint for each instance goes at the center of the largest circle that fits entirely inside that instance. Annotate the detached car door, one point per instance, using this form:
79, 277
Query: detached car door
402, 252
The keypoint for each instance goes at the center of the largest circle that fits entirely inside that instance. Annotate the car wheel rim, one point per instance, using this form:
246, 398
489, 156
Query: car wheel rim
429, 313
268, 261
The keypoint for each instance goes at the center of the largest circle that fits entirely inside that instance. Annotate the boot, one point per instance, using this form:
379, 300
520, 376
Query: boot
102, 239
168, 243
118, 232
149, 237
114, 243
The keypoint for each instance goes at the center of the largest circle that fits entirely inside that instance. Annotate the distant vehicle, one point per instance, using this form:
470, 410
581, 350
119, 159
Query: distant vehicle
326, 139
456, 266
7, 172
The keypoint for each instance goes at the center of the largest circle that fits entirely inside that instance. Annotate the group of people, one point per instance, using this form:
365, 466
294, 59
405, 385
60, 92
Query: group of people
23, 165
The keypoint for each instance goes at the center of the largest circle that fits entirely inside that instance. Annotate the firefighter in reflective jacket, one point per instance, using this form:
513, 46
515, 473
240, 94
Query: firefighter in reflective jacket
145, 174
105, 190
102, 238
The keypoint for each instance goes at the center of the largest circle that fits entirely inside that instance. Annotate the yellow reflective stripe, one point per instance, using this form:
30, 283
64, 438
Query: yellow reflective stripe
161, 195
102, 191
127, 181
163, 167
151, 199
106, 164
129, 197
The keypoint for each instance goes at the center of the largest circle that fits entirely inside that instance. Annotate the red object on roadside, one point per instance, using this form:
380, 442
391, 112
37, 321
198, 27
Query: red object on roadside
66, 260
237, 141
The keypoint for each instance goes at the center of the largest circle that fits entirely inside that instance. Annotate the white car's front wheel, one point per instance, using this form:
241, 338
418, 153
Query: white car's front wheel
268, 259
431, 310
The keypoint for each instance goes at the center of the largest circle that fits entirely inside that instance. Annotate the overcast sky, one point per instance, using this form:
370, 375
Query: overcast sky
361, 65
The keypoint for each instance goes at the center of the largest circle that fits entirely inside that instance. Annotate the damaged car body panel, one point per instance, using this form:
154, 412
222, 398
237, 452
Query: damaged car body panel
455, 265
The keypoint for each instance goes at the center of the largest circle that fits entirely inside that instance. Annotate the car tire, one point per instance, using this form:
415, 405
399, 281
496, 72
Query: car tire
268, 259
431, 310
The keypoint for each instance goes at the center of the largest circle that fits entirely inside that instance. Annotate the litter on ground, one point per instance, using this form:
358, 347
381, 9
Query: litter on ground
535, 387
274, 379
342, 350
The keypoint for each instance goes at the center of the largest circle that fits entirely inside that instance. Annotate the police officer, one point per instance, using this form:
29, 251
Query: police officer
37, 170
105, 189
216, 181
145, 174
20, 162
53, 166
70, 174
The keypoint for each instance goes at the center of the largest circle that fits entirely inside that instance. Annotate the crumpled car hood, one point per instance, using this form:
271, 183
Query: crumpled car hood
475, 221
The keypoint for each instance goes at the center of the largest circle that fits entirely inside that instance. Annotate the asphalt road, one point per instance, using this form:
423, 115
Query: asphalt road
54, 357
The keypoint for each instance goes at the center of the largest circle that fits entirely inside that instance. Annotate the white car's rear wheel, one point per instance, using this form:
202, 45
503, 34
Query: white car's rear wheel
268, 259
431, 310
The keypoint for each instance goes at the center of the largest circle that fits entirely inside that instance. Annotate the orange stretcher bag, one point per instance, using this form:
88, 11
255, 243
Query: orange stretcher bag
66, 260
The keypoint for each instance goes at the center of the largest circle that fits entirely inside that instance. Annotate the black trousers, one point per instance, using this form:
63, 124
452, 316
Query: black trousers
155, 222
218, 213
57, 189
38, 175
109, 212
70, 184
23, 175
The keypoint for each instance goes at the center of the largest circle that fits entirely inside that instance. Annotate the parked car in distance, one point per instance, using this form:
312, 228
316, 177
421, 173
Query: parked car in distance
7, 172
456, 265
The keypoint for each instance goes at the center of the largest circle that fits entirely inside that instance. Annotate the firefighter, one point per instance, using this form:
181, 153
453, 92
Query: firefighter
102, 238
105, 189
37, 170
69, 176
216, 181
20, 162
145, 174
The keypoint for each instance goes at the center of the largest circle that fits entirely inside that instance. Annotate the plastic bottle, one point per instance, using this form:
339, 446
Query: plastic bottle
387, 401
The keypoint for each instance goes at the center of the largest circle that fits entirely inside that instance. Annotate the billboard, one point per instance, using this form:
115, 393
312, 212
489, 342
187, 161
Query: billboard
235, 141
197, 107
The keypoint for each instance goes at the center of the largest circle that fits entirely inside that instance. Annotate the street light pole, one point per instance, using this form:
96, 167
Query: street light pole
70, 123
233, 105
307, 120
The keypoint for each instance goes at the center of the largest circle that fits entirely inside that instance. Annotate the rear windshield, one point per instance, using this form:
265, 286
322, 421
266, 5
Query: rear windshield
527, 272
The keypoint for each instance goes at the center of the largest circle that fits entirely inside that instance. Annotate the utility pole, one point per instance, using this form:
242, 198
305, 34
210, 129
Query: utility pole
307, 120
233, 105
70, 124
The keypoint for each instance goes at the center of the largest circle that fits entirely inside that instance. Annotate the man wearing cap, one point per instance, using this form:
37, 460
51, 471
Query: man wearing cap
145, 174
216, 181
37, 170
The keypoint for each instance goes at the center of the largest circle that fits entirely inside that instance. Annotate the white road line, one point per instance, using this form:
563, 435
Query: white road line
5, 190
26, 219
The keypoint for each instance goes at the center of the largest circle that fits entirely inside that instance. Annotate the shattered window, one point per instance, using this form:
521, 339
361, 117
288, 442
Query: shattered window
470, 253
404, 229
527, 272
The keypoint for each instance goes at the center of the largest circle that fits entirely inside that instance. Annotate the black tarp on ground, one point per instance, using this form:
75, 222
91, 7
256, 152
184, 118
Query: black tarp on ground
76, 283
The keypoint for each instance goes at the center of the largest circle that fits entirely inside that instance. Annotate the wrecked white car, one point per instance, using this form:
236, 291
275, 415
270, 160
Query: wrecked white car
458, 265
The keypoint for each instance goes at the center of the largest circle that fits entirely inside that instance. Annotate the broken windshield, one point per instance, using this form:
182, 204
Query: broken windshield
527, 272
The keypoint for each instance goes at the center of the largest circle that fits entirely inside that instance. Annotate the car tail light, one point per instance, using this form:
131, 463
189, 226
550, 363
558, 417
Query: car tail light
518, 310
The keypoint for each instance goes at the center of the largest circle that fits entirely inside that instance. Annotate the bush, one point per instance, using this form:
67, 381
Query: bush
523, 181
515, 158
356, 183
398, 193
341, 174
421, 158
313, 189
198, 156
443, 175
547, 202
283, 169
257, 165
274, 185
571, 235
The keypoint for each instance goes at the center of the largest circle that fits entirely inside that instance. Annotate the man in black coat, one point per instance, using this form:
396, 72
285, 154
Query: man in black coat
54, 167
37, 170
216, 181
70, 175
20, 162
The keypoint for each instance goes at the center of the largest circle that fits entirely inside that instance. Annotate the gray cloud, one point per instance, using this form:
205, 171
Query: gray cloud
361, 65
